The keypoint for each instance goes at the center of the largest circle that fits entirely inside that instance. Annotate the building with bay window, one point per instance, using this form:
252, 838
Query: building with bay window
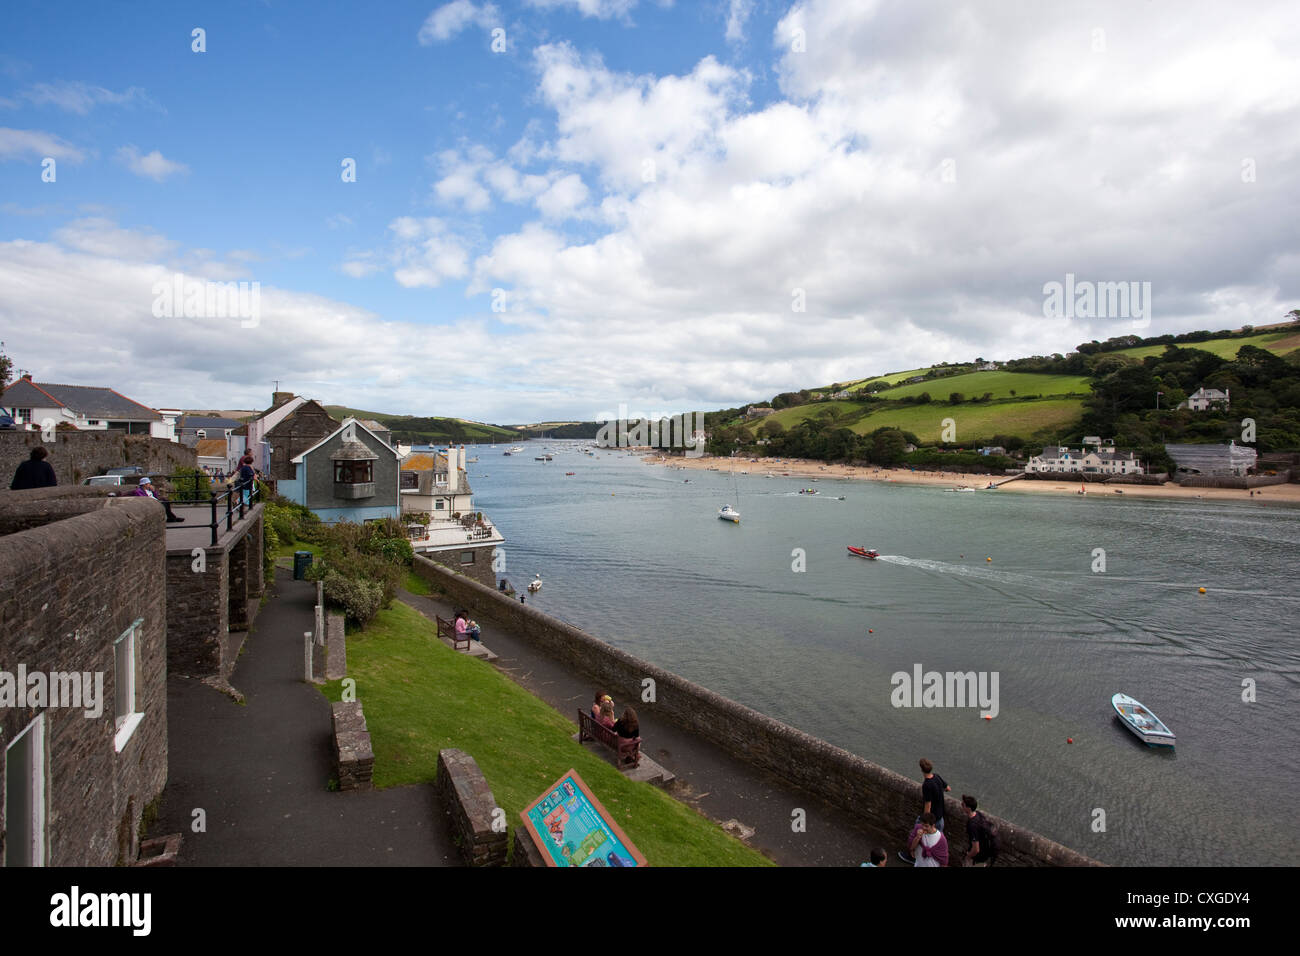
350, 475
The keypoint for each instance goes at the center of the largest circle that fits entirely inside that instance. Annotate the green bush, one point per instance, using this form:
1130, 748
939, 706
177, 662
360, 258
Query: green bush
360, 600
189, 484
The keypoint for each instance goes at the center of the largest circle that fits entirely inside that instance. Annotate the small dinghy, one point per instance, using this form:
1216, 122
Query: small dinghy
871, 553
535, 584
728, 513
1147, 727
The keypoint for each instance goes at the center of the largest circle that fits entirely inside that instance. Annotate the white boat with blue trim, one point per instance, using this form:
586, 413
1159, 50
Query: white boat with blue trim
1146, 726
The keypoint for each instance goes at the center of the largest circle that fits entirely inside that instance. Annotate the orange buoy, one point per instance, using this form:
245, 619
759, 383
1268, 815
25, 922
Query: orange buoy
1200, 590
988, 716
1069, 740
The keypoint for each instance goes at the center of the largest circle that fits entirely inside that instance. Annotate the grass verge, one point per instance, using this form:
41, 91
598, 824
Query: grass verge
420, 696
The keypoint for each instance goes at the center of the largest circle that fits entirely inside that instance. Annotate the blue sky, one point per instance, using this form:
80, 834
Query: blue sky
918, 170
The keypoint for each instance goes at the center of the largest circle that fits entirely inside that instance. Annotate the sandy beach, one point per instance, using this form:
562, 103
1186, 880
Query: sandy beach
803, 468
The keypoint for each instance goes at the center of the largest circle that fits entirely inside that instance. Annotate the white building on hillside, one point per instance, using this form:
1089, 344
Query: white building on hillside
1204, 398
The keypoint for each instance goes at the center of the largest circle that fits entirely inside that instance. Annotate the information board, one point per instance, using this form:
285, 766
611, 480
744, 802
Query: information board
571, 828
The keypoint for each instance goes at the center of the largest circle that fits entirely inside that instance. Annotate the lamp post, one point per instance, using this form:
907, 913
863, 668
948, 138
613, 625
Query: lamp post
1158, 394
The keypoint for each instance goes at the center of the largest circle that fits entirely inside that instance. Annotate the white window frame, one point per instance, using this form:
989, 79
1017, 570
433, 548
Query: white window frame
126, 717
23, 416
37, 847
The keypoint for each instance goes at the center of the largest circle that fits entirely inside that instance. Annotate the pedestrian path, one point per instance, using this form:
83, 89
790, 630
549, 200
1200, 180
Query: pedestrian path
722, 787
259, 771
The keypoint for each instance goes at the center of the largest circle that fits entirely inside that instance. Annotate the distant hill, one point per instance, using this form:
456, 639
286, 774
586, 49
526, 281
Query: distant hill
416, 430
1105, 388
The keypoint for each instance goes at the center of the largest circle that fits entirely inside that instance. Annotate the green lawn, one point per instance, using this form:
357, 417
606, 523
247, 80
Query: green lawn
420, 696
977, 421
1224, 348
1001, 384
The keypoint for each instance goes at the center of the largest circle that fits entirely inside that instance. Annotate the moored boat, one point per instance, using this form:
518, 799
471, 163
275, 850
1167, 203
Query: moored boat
728, 513
1145, 725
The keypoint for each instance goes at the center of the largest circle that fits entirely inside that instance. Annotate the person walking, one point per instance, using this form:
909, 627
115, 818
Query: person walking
983, 834
35, 472
246, 477
933, 788
928, 845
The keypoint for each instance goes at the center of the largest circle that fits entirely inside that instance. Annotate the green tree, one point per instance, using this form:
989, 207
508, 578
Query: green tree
6, 368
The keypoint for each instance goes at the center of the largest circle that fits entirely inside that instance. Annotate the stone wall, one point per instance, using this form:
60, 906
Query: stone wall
354, 758
203, 607
69, 588
882, 798
77, 455
480, 570
1232, 481
466, 798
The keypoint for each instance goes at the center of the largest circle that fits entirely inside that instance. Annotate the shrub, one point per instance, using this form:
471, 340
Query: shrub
360, 600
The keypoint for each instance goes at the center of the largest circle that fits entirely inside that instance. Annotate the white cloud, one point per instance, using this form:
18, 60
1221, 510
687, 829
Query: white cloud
80, 98
564, 197
451, 18
738, 11
600, 9
153, 165
422, 253
36, 144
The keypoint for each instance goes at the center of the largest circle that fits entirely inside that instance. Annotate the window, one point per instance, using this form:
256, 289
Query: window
410, 481
126, 716
92, 421
440, 504
24, 803
23, 415
467, 557
353, 472
201, 433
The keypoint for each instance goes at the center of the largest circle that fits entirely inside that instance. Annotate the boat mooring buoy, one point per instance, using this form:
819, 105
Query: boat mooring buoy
1200, 590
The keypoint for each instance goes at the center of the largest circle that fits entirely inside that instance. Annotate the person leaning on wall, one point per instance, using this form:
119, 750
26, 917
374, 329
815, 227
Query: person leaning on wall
35, 472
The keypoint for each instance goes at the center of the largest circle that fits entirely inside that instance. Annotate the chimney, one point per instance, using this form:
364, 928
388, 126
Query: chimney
279, 398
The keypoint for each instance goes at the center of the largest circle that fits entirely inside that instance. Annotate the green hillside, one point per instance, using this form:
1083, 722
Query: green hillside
410, 428
1000, 384
976, 422
1226, 348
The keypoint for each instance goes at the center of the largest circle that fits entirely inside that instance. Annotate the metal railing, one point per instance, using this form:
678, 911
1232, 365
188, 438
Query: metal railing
235, 500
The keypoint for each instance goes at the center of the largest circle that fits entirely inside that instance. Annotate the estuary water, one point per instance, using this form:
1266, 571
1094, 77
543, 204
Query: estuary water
635, 554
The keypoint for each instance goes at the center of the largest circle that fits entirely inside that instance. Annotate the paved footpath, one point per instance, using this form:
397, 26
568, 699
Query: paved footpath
260, 770
719, 785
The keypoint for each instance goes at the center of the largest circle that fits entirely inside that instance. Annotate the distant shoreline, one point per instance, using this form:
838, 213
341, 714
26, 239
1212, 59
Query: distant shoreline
1285, 494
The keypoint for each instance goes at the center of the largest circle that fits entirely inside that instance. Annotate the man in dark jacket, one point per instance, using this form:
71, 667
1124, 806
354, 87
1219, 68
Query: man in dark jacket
35, 472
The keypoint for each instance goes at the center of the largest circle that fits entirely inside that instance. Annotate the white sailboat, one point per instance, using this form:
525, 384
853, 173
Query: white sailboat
726, 512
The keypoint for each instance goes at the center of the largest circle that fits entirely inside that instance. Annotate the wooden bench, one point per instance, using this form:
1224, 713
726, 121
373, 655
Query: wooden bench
628, 749
447, 630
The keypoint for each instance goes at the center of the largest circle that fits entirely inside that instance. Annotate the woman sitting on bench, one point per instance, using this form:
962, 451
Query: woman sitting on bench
606, 715
465, 626
627, 726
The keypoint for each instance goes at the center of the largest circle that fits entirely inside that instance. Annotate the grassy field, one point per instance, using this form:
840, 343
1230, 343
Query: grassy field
977, 421
420, 696
1001, 384
1224, 348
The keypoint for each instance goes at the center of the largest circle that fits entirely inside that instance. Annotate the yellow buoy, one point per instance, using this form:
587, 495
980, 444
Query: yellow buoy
988, 559
1200, 590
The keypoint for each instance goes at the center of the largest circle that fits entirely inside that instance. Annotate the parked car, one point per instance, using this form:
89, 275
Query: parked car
127, 471
105, 480
6, 421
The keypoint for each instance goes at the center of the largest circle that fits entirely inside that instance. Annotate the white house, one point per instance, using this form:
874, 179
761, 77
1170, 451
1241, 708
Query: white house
1203, 398
1102, 460
34, 405
434, 484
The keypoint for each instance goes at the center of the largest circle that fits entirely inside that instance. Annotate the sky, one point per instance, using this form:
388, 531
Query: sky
548, 209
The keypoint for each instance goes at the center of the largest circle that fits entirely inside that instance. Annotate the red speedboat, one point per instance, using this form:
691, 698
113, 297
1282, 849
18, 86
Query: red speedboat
864, 552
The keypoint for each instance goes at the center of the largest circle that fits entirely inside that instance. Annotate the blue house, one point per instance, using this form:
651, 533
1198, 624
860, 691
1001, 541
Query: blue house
350, 475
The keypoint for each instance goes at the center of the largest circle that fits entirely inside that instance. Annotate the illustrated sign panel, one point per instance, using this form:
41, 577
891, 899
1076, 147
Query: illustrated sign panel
571, 828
